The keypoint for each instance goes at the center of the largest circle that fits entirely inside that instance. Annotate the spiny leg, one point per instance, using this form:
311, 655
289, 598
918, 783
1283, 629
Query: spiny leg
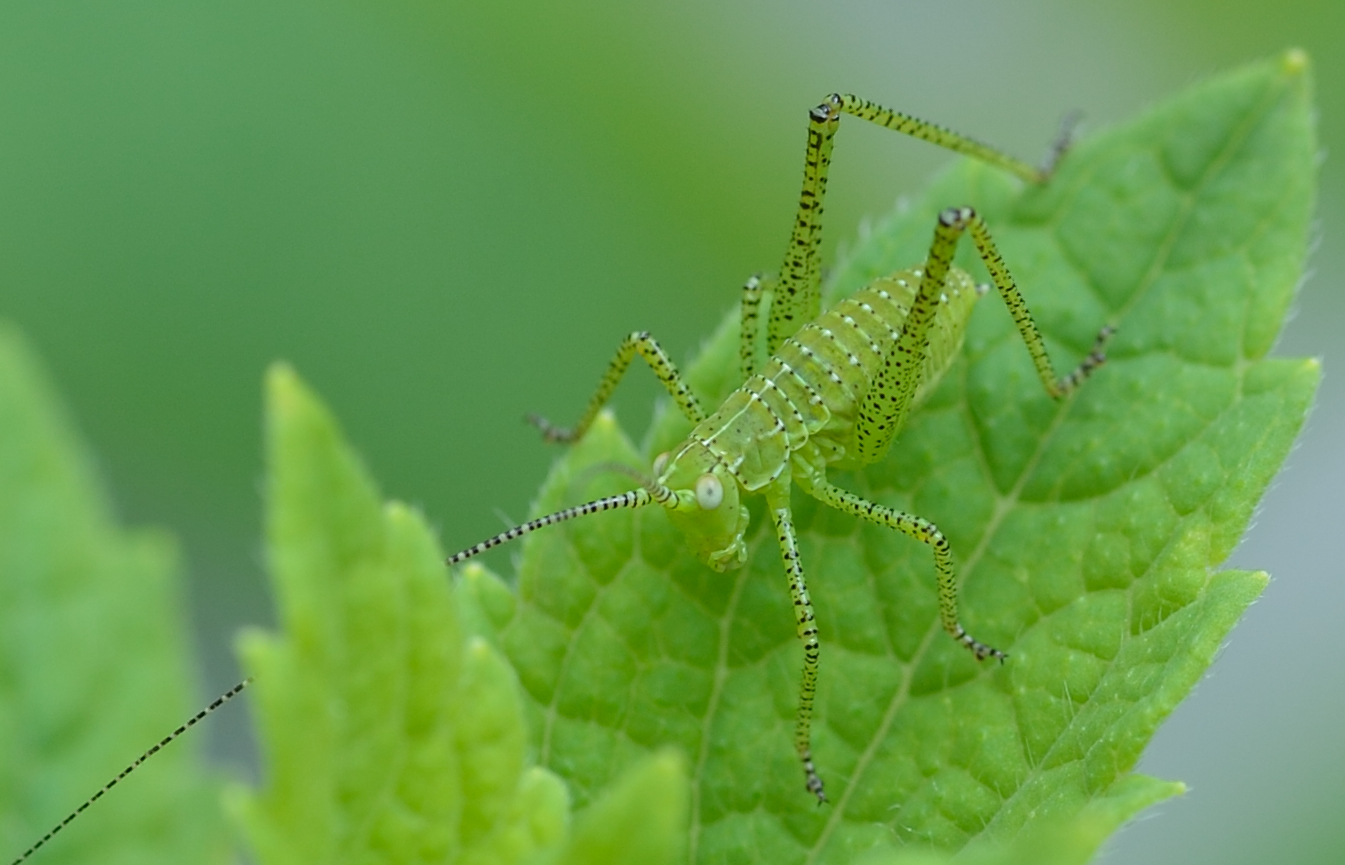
798, 295
888, 400
805, 621
1022, 318
922, 530
1064, 140
649, 349
941, 136
797, 298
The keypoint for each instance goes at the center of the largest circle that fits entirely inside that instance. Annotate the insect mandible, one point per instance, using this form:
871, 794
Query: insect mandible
835, 391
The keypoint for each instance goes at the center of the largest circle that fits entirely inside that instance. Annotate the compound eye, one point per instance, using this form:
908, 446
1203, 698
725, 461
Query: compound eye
709, 492
660, 463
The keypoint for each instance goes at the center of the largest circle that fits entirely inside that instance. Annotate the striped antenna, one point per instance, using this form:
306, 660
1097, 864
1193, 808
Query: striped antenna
633, 499
156, 748
651, 491
663, 495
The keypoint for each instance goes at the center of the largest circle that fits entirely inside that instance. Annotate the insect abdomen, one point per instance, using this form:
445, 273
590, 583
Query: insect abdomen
839, 354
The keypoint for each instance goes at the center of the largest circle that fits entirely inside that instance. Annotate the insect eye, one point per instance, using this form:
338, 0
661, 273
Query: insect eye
660, 463
709, 491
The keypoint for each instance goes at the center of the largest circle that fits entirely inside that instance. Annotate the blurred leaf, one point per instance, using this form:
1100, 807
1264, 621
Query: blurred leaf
642, 819
390, 735
93, 660
1088, 533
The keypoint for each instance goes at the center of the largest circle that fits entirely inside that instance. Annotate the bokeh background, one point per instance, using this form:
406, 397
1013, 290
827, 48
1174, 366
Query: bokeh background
447, 214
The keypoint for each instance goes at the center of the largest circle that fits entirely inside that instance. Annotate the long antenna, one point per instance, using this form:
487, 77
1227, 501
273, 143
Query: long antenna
633, 499
158, 746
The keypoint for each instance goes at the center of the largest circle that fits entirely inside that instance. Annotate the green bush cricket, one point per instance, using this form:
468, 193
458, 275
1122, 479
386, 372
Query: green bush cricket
835, 390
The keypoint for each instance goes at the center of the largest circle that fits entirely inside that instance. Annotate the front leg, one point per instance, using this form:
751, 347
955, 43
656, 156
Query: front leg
658, 360
777, 498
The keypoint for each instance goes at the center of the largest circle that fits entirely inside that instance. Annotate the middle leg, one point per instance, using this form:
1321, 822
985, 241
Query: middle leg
777, 499
922, 530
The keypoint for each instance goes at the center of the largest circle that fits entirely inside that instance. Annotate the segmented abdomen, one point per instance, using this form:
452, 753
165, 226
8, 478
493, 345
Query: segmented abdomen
813, 387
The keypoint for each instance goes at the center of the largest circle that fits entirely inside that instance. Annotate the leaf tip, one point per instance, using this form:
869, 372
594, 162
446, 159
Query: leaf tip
401, 515
1295, 61
280, 378
606, 421
295, 414
640, 818
285, 392
251, 645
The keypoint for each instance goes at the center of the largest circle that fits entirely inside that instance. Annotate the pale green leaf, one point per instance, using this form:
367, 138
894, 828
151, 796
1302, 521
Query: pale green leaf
391, 735
94, 662
641, 819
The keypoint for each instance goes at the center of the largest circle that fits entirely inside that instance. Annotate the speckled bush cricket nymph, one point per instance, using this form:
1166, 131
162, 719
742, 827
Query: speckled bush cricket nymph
835, 391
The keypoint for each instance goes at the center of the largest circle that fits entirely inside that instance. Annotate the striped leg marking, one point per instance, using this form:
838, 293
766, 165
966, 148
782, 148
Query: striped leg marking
959, 218
748, 356
798, 295
888, 400
941, 136
648, 348
798, 299
807, 630
926, 532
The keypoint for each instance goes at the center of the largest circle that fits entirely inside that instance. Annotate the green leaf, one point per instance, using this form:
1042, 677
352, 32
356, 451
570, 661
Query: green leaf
1047, 841
391, 735
1088, 533
641, 819
93, 659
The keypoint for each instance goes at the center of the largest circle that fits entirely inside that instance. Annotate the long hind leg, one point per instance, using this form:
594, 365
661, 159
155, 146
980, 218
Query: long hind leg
797, 296
1022, 318
888, 400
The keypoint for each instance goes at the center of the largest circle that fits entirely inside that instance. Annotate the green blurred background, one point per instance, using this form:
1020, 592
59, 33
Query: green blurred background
447, 215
